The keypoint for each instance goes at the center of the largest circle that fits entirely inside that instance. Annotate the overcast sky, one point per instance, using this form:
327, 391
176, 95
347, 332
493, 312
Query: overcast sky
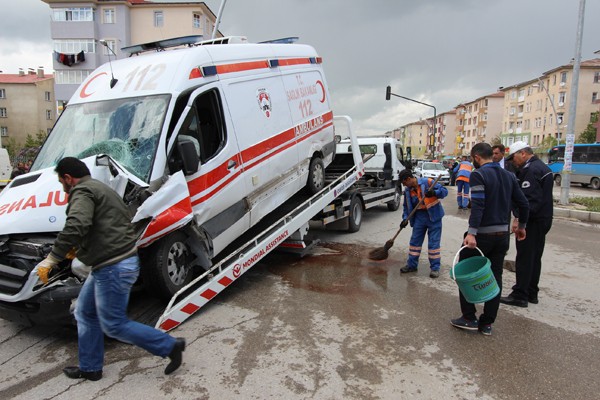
440, 52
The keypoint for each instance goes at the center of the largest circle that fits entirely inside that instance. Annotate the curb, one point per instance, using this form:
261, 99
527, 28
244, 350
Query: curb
586, 216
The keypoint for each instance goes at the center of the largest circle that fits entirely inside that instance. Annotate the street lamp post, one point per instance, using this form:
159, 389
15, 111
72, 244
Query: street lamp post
545, 88
388, 94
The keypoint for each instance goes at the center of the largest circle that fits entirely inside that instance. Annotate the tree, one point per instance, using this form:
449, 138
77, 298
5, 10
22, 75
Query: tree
37, 142
11, 147
589, 134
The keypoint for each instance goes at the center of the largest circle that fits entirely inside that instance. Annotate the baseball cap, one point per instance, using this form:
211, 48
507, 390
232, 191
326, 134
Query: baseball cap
516, 146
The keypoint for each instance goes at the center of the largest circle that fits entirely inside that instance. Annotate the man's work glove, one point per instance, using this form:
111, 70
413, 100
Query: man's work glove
403, 223
430, 193
45, 266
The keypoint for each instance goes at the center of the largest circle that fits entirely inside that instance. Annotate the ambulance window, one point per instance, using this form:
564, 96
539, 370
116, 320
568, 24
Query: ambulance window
204, 126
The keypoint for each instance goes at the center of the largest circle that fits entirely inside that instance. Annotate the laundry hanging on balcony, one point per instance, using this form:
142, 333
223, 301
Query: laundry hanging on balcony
69, 59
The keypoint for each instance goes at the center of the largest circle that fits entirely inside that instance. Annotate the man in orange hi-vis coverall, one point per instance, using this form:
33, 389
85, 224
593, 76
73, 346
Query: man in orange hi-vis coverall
463, 174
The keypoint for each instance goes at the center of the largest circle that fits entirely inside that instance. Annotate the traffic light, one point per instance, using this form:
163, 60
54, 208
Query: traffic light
388, 92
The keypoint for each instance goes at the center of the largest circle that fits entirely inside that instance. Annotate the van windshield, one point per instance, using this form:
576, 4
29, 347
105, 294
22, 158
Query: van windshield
125, 129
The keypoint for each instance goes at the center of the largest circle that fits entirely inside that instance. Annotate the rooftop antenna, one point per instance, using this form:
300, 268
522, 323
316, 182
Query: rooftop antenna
113, 81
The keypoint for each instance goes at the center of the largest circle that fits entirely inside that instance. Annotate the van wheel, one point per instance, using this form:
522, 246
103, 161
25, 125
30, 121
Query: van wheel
355, 214
167, 266
394, 204
557, 180
595, 183
316, 176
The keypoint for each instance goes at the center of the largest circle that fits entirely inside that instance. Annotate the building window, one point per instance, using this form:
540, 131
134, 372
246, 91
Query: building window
73, 14
108, 16
47, 96
158, 19
2, 112
563, 77
48, 114
596, 77
562, 96
110, 44
3, 131
196, 20
594, 97
2, 93
74, 46
65, 77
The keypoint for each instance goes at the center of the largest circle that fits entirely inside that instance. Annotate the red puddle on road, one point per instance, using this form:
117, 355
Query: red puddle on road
336, 269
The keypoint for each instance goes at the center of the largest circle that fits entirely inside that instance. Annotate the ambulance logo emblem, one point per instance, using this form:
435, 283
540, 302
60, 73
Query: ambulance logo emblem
264, 101
237, 270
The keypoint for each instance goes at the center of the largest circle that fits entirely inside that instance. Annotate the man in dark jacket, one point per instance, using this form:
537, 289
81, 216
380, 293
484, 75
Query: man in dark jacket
536, 182
98, 227
494, 191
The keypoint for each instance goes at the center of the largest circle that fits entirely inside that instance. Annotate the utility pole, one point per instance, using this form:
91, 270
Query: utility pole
570, 136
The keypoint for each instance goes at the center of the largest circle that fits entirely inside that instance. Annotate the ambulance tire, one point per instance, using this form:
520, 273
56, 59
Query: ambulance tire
166, 266
394, 205
355, 214
316, 176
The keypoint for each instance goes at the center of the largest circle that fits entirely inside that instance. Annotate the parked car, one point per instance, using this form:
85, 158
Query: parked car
432, 170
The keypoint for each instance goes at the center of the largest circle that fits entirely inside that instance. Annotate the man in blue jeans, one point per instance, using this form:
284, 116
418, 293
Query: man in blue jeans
98, 227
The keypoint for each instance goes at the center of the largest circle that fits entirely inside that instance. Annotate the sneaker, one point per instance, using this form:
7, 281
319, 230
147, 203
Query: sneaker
463, 323
486, 329
406, 269
434, 274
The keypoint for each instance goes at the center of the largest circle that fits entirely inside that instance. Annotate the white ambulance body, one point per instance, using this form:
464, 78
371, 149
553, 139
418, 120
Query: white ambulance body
202, 142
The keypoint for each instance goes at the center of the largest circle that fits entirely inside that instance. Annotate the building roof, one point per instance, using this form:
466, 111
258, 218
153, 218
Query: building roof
26, 78
593, 63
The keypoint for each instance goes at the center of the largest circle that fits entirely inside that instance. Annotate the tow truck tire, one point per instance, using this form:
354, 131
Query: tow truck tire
316, 176
595, 183
395, 204
355, 214
557, 179
166, 266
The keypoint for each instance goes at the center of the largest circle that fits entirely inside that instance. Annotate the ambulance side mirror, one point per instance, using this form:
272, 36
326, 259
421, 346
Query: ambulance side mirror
189, 157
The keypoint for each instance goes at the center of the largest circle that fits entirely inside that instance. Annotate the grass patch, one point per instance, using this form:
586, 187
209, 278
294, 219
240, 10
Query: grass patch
591, 203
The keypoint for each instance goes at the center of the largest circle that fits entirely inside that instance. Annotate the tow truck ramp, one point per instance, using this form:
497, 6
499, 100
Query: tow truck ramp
205, 287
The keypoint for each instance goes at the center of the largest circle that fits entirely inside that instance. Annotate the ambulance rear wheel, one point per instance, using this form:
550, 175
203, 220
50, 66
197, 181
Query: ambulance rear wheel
167, 266
355, 214
394, 204
316, 175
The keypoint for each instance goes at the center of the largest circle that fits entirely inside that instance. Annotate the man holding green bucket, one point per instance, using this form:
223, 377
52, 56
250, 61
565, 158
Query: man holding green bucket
494, 191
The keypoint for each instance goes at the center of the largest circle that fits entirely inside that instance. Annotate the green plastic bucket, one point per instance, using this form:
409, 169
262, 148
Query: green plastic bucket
474, 278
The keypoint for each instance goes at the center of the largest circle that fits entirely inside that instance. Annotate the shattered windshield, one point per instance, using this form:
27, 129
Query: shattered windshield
126, 129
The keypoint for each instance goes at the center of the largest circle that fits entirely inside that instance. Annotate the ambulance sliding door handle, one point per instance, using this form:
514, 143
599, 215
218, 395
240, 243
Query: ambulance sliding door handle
231, 164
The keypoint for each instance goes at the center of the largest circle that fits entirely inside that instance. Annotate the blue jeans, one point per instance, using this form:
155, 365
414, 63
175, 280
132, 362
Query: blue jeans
462, 193
102, 309
422, 224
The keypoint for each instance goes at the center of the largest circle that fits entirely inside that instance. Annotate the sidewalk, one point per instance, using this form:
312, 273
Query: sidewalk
573, 213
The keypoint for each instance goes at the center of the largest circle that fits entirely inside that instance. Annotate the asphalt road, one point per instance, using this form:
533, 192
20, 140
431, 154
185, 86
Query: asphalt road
336, 325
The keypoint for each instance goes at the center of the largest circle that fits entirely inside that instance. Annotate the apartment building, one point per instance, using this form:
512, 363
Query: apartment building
27, 105
445, 140
539, 108
478, 121
415, 135
78, 26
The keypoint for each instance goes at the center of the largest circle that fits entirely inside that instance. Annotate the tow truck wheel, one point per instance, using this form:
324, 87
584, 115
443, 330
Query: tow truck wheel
394, 204
557, 179
316, 175
166, 266
355, 214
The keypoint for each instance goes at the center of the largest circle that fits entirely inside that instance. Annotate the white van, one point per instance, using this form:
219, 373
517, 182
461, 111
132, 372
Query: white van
201, 142
5, 168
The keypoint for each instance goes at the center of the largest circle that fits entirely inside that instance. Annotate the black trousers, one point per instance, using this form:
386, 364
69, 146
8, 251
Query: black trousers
494, 247
529, 259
